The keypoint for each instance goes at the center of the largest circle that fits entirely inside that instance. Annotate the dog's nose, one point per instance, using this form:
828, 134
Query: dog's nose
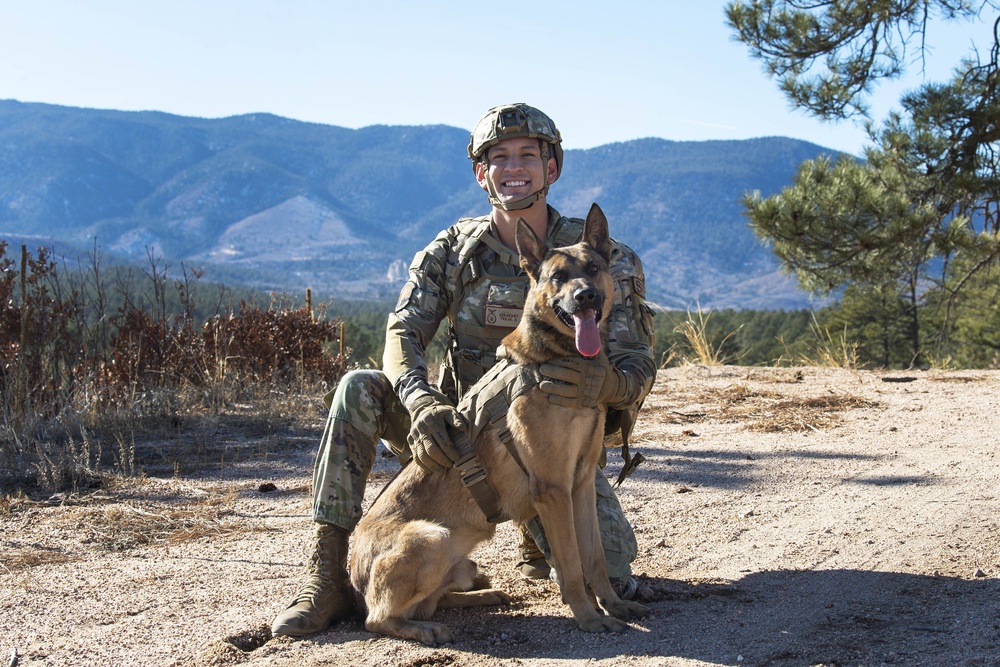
586, 298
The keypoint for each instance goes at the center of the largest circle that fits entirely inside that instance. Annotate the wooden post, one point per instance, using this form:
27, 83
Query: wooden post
21, 401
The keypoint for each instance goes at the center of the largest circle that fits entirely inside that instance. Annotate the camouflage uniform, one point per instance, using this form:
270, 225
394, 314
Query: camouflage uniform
471, 279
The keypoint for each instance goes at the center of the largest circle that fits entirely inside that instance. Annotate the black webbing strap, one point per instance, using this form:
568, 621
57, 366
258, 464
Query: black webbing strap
629, 463
474, 479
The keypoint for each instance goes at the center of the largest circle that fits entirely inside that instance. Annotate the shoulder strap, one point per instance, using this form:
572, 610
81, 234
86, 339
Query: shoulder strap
570, 231
469, 232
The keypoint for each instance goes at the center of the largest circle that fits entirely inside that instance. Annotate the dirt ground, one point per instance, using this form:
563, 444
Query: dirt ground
784, 517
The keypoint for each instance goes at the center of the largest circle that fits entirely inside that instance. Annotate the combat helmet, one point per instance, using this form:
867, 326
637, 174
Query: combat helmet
507, 122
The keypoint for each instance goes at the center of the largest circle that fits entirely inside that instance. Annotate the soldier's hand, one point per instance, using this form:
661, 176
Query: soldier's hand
432, 447
575, 382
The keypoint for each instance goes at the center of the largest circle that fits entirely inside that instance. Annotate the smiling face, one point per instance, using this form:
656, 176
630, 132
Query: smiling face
515, 169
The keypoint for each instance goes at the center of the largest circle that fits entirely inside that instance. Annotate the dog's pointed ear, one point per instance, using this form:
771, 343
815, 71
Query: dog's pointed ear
531, 248
595, 232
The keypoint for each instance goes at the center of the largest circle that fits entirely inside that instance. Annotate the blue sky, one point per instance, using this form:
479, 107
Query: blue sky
604, 71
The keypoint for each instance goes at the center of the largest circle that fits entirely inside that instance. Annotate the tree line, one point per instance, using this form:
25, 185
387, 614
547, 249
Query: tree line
846, 332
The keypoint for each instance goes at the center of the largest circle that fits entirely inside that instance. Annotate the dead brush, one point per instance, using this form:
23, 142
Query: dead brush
85, 369
737, 394
799, 414
761, 410
32, 556
128, 525
120, 521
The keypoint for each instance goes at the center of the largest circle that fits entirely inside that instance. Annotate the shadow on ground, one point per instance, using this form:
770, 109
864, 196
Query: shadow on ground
834, 617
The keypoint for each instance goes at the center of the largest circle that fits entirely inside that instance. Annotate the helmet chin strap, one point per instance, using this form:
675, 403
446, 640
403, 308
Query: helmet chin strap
524, 202
518, 204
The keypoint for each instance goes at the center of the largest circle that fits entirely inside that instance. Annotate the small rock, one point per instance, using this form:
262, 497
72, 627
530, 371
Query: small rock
267, 487
979, 573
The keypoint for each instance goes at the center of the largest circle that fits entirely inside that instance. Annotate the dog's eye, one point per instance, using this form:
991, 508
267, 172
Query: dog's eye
593, 269
558, 277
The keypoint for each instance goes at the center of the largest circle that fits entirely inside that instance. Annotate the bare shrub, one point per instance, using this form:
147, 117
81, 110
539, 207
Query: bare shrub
79, 377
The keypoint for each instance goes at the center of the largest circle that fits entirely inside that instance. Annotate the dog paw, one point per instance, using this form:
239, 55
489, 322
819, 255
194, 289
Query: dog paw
603, 624
626, 609
434, 634
501, 598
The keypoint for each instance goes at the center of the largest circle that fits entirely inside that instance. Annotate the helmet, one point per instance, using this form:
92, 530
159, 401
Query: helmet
510, 121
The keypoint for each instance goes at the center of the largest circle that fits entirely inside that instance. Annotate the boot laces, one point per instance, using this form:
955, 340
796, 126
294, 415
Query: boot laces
319, 580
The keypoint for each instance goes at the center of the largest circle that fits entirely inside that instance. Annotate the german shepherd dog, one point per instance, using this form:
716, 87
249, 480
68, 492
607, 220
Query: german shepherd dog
410, 552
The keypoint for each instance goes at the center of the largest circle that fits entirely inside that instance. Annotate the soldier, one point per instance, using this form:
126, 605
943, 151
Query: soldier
470, 275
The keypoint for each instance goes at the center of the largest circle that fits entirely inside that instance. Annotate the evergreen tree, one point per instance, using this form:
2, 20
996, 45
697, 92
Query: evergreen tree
880, 320
920, 218
849, 223
829, 54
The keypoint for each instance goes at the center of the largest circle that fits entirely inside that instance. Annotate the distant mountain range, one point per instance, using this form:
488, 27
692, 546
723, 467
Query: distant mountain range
273, 203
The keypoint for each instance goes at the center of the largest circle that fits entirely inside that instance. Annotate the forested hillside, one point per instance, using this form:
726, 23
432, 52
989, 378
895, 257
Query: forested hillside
280, 204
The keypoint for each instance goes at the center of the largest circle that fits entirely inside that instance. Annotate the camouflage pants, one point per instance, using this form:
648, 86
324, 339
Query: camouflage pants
363, 410
619, 543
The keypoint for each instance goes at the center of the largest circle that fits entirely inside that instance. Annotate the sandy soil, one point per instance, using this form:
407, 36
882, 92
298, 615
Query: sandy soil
784, 517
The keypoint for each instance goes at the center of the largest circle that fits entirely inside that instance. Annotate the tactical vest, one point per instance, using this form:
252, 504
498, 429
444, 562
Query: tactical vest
489, 406
485, 306
484, 309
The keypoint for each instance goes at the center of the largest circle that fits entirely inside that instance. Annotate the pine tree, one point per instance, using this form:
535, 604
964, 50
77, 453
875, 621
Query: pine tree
920, 216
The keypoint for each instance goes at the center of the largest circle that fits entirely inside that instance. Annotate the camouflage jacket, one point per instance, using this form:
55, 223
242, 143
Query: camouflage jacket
467, 277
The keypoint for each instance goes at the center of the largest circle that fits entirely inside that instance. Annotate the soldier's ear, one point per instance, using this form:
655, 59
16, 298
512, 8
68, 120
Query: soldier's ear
531, 248
595, 232
481, 175
552, 172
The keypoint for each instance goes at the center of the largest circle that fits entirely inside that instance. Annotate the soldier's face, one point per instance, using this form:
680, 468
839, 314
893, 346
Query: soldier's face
516, 169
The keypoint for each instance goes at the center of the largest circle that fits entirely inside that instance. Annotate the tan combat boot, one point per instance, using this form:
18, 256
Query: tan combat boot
326, 595
532, 564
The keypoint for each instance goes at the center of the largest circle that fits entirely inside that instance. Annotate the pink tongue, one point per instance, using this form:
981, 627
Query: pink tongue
588, 339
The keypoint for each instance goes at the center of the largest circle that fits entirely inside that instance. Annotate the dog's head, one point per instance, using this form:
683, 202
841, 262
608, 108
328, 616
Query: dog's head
571, 287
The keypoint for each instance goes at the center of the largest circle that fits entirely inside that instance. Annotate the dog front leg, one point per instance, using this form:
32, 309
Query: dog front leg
595, 567
554, 505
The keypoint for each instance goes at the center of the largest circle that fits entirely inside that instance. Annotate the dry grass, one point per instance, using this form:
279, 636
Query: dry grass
958, 378
756, 408
830, 350
699, 347
127, 525
739, 394
774, 412
121, 521
776, 375
804, 414
25, 558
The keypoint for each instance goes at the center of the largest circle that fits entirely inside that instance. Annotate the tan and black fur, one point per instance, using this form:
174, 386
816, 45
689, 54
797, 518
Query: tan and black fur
410, 552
